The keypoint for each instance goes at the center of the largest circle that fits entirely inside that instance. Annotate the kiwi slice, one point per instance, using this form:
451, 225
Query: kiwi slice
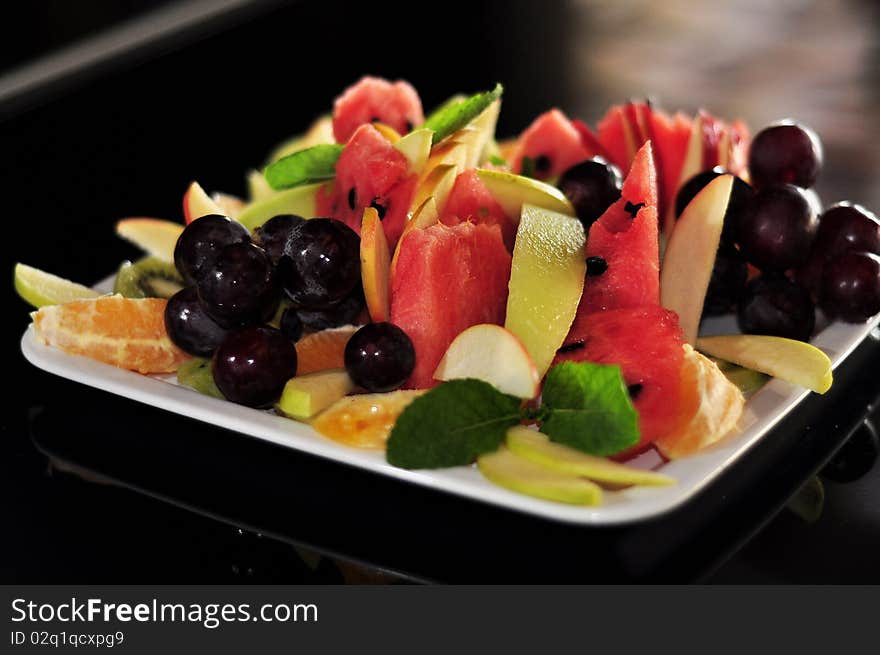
149, 277
196, 374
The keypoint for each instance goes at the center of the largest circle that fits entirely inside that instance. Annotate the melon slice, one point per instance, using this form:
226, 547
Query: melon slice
552, 144
374, 99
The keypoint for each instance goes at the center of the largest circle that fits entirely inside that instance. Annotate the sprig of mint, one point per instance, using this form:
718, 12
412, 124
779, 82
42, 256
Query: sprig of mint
451, 117
452, 424
310, 165
589, 408
585, 406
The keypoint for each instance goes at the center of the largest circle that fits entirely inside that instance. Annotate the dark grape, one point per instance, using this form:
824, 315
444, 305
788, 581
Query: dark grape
189, 326
345, 312
290, 325
253, 364
239, 288
740, 196
727, 282
322, 265
592, 186
201, 240
777, 228
379, 357
772, 304
851, 286
274, 235
785, 153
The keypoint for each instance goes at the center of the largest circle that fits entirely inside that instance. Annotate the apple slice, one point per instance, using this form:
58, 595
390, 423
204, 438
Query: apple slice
229, 205
375, 266
258, 187
693, 164
306, 396
546, 281
492, 354
513, 191
425, 216
793, 361
416, 147
154, 236
478, 134
536, 447
690, 255
524, 476
301, 200
197, 203
437, 184
40, 289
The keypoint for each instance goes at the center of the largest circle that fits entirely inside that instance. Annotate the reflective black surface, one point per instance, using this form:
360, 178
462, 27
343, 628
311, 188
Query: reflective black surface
96, 488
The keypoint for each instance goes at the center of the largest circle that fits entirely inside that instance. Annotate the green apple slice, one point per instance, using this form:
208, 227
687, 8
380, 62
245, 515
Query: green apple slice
300, 200
306, 396
524, 476
787, 359
690, 255
513, 191
537, 448
39, 288
546, 281
416, 147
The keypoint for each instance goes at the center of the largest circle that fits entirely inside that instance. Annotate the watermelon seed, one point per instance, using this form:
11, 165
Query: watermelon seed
352, 198
596, 266
379, 208
634, 390
375, 119
409, 127
571, 347
632, 209
542, 164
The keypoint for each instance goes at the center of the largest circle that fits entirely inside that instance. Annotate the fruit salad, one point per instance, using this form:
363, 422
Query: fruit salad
529, 306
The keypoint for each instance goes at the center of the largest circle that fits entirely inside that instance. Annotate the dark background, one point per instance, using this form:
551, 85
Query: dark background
82, 154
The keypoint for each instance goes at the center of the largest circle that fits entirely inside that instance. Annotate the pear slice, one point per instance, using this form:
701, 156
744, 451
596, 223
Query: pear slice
539, 449
546, 281
524, 476
154, 236
513, 191
307, 395
375, 266
787, 359
492, 354
416, 147
300, 200
690, 255
40, 289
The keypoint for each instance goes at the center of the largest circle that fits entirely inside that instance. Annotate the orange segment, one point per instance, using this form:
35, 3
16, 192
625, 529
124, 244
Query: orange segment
323, 350
711, 407
126, 332
364, 421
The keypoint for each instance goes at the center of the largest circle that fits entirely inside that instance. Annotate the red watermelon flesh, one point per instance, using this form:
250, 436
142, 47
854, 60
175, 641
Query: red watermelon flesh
552, 143
646, 342
628, 245
712, 129
616, 136
447, 279
470, 200
374, 99
738, 156
590, 140
670, 136
370, 171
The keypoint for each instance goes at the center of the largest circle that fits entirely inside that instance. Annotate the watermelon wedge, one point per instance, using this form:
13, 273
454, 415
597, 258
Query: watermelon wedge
470, 200
373, 99
552, 143
670, 137
616, 135
447, 279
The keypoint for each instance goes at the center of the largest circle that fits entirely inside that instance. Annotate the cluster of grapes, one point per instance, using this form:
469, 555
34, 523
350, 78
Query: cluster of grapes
299, 274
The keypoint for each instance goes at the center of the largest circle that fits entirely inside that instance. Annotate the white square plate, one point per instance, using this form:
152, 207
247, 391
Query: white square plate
763, 411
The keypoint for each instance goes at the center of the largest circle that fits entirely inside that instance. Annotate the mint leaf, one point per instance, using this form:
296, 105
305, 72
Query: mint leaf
497, 161
310, 165
451, 424
452, 117
589, 408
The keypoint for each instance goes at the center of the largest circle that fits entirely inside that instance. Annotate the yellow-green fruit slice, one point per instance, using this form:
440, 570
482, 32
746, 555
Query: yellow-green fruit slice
307, 395
39, 288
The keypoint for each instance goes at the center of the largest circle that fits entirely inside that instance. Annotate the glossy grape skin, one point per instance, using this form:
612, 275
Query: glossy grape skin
189, 326
777, 228
785, 153
198, 244
275, 235
591, 186
253, 364
239, 288
727, 283
290, 325
322, 265
740, 196
851, 286
774, 305
379, 357
345, 312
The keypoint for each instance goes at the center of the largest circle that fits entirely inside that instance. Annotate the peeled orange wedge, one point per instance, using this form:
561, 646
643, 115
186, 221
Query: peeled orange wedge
125, 332
322, 351
364, 421
711, 406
